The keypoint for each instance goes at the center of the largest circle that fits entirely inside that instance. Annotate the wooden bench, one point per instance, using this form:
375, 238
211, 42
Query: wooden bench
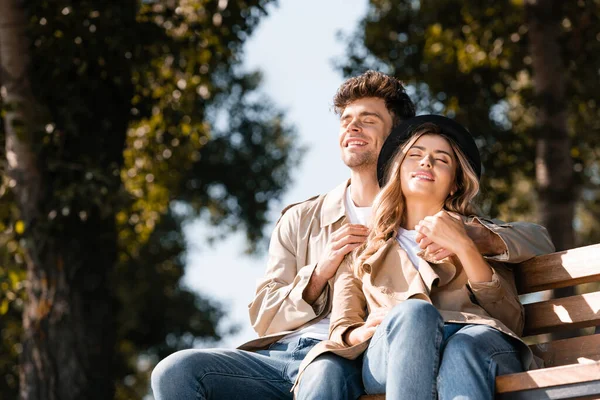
572, 366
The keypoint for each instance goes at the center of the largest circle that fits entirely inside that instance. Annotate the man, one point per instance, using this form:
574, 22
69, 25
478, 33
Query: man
293, 301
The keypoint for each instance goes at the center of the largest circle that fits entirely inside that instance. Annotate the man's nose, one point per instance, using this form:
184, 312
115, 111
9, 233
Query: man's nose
354, 126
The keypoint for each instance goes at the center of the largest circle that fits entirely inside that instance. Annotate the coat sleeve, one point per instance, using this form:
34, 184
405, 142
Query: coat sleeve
349, 308
499, 298
523, 240
278, 304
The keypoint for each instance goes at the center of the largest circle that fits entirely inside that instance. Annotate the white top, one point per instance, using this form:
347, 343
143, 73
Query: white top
320, 330
406, 239
356, 215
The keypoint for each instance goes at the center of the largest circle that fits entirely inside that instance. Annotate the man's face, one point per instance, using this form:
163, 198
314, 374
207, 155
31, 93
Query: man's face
364, 126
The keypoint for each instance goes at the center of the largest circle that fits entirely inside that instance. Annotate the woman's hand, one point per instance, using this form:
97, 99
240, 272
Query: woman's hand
446, 230
366, 331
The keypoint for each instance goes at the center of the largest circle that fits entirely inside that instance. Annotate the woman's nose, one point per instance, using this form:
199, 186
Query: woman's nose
426, 161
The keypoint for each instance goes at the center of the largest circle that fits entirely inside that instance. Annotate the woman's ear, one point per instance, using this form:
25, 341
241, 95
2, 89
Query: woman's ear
454, 189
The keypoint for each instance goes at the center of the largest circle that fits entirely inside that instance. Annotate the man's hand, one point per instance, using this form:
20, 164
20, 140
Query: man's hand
341, 242
365, 332
487, 242
446, 232
432, 249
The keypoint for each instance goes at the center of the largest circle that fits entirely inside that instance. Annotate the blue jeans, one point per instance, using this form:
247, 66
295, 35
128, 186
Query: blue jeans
265, 374
415, 355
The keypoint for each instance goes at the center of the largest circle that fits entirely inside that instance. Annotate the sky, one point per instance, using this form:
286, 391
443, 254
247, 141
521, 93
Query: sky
294, 47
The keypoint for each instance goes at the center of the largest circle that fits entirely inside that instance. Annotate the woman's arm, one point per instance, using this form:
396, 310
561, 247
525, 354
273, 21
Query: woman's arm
493, 288
349, 308
499, 297
449, 232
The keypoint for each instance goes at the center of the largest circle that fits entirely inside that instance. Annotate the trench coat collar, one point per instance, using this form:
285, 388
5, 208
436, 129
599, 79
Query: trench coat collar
334, 207
438, 273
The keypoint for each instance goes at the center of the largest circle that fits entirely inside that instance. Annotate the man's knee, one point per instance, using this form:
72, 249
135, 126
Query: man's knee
176, 374
169, 374
330, 366
333, 376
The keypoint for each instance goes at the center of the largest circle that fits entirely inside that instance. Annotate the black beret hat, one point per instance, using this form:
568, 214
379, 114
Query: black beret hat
448, 127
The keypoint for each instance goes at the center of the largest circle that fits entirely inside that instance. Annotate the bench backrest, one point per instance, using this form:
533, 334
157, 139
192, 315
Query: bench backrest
558, 270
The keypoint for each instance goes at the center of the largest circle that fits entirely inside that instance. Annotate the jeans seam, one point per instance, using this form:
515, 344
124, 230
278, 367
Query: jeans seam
348, 379
436, 365
492, 361
299, 347
199, 395
258, 377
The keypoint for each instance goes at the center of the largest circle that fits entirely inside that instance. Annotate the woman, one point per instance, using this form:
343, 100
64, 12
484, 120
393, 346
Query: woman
427, 328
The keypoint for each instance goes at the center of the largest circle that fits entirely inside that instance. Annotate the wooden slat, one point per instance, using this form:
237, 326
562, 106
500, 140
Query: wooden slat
548, 377
556, 270
568, 351
537, 379
574, 391
572, 312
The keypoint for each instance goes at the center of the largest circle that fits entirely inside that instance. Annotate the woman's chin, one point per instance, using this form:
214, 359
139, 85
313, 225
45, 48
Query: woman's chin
424, 193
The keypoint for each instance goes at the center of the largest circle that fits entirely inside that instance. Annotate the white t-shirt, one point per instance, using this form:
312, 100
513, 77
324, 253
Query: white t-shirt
356, 215
320, 330
406, 239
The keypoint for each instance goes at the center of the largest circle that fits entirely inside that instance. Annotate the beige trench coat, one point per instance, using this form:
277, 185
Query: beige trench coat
391, 278
298, 242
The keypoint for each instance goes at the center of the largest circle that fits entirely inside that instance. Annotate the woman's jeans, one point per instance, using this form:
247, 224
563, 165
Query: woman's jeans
265, 374
415, 355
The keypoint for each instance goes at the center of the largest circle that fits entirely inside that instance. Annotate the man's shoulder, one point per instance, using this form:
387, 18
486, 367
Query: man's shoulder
311, 207
302, 207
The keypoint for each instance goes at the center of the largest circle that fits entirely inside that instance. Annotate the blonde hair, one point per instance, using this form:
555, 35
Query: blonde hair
389, 207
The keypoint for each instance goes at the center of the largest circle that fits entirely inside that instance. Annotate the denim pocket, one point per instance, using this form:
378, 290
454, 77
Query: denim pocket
305, 344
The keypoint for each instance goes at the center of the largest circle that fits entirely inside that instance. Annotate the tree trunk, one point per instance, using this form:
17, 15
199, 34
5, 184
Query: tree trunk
67, 346
554, 165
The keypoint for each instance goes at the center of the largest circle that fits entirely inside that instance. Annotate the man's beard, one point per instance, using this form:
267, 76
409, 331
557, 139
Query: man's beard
359, 161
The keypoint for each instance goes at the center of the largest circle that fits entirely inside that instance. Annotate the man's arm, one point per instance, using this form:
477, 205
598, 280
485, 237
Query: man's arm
507, 242
341, 242
512, 242
278, 304
288, 296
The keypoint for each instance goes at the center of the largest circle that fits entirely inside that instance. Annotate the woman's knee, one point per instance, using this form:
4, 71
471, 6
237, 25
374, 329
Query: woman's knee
480, 340
476, 346
413, 313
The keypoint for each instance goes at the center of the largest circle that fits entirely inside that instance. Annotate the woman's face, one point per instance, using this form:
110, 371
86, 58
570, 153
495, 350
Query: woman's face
428, 171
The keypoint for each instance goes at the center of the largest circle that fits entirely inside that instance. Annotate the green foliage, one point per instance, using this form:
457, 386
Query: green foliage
162, 105
470, 60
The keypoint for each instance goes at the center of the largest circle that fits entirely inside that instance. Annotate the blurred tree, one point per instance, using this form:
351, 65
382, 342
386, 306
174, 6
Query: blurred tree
554, 165
137, 117
521, 77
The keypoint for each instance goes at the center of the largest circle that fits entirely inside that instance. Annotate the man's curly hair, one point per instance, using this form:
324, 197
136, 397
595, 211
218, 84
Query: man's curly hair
376, 84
